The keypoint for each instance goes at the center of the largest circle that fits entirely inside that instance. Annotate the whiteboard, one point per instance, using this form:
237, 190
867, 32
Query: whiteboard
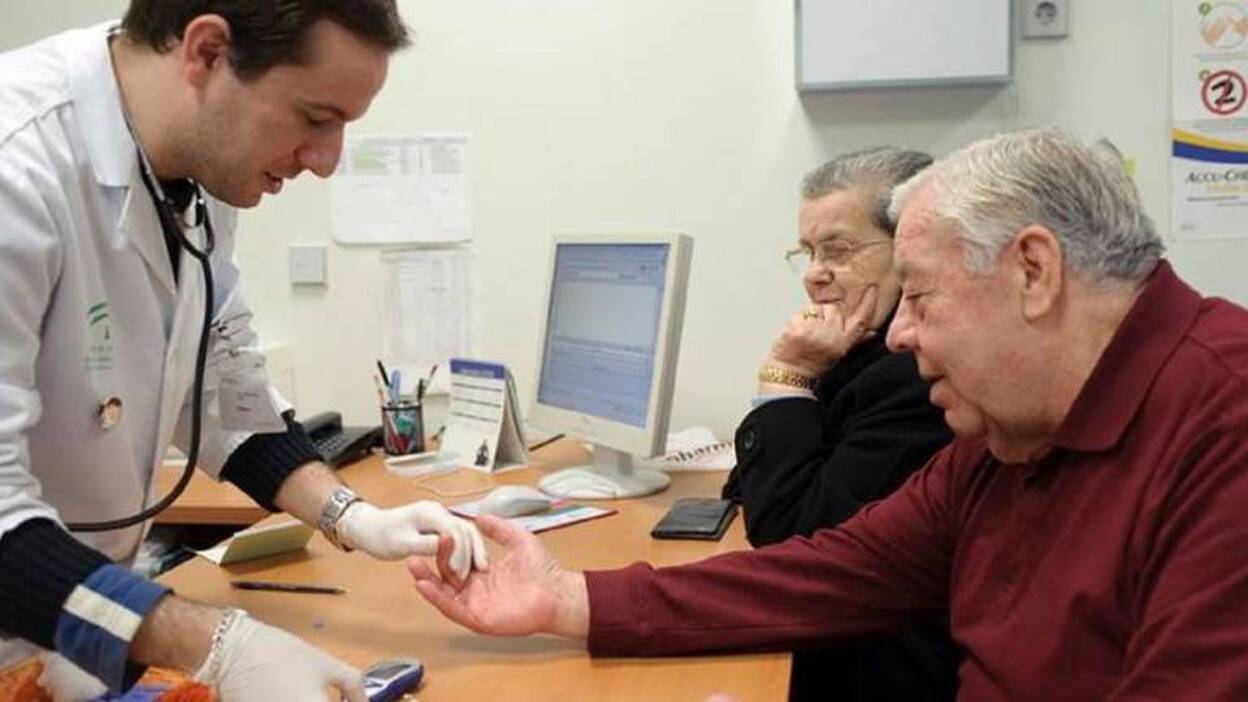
869, 43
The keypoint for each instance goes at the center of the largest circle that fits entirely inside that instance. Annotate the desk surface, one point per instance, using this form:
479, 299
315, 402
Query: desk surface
382, 615
205, 501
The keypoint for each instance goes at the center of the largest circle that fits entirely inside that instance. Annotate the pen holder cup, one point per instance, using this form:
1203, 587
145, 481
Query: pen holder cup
402, 429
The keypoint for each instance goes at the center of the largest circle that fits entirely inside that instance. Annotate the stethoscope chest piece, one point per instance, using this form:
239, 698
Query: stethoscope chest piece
108, 412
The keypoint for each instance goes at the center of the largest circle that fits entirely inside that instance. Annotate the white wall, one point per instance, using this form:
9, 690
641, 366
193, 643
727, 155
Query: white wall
669, 114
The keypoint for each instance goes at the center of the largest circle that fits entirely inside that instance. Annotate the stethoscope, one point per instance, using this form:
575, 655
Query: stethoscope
169, 223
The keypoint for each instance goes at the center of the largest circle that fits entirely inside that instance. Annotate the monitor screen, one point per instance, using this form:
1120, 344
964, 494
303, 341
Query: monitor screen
602, 329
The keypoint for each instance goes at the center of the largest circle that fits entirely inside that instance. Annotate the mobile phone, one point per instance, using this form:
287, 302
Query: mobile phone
388, 680
702, 518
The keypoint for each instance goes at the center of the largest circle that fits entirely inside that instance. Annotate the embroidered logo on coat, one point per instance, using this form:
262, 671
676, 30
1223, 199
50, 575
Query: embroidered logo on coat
100, 354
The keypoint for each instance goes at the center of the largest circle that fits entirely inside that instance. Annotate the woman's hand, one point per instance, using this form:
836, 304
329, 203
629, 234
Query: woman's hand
816, 339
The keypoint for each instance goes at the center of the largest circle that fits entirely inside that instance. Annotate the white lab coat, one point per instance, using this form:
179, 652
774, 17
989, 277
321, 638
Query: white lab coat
88, 304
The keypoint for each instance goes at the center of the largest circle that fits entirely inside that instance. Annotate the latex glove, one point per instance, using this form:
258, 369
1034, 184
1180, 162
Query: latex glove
815, 339
412, 530
66, 682
261, 663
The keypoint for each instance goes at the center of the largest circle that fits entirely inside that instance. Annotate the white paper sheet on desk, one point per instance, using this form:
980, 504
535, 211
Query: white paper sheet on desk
696, 449
428, 307
562, 514
409, 189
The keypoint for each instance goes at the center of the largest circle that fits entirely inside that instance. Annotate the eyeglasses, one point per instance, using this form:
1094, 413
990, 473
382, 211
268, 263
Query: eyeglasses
833, 252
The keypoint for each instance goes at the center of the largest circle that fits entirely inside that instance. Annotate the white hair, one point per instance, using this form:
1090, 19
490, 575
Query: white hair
1082, 193
875, 171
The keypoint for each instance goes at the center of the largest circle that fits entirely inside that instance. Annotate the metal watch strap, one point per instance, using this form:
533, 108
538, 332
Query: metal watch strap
339, 500
772, 373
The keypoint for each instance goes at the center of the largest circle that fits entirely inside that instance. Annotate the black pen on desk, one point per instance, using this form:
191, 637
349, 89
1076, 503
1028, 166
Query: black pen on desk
287, 587
423, 386
544, 442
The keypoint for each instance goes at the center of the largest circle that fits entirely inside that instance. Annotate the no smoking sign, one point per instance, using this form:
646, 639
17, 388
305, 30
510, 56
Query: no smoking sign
1223, 92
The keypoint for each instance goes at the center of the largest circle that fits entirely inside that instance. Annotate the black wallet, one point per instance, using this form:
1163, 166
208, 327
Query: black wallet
696, 518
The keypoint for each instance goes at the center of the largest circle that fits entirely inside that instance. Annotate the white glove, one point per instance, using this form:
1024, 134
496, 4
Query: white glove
412, 530
255, 662
66, 682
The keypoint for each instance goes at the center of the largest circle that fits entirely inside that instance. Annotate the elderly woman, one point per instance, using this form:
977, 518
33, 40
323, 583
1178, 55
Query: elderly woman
839, 421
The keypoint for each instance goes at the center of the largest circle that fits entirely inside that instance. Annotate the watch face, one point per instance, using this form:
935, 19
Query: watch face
338, 502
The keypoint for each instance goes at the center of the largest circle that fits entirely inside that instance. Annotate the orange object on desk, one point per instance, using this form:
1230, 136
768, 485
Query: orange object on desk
21, 684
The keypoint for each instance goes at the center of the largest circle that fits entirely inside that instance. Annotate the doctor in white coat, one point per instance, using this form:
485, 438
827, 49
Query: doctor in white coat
116, 144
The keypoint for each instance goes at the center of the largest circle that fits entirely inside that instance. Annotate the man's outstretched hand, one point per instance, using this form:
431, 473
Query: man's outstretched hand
524, 591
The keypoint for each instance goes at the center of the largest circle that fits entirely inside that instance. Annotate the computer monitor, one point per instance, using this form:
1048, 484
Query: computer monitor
607, 363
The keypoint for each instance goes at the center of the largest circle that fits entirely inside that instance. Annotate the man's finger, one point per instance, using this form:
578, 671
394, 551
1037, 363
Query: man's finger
461, 560
500, 530
446, 568
479, 555
420, 570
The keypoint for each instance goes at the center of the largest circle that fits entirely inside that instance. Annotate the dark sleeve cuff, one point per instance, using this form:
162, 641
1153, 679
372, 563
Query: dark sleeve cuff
40, 564
62, 595
262, 463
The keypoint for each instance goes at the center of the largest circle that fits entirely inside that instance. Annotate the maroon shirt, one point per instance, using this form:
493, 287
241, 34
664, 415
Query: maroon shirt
1115, 567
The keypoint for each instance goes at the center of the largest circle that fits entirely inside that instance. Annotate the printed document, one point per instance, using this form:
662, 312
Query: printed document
414, 189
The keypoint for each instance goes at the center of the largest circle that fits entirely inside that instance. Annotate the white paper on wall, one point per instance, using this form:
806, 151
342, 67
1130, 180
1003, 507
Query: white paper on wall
429, 306
412, 189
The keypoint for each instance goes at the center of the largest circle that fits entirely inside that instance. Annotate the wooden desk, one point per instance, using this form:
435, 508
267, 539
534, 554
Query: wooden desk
382, 614
205, 501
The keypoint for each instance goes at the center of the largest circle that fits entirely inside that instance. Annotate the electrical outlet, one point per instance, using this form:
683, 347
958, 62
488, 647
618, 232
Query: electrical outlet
1044, 19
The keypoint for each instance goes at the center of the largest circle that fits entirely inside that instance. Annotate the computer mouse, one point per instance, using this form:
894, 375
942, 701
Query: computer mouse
515, 501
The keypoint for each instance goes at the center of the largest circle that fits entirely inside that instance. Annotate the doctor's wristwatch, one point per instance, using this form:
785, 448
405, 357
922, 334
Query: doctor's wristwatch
339, 500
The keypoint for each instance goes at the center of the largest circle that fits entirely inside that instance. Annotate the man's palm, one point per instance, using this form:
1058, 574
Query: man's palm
517, 596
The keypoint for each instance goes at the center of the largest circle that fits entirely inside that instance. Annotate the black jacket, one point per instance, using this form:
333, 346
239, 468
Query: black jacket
804, 465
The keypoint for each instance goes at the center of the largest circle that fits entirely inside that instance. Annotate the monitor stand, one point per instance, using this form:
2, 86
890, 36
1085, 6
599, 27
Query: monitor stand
611, 476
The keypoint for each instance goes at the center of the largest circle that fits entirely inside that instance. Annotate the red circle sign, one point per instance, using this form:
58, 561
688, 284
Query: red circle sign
1223, 92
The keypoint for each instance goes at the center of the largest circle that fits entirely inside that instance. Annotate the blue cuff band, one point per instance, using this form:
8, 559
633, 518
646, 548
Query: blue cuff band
99, 619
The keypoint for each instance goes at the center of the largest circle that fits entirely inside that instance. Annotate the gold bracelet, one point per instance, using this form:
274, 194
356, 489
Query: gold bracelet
772, 373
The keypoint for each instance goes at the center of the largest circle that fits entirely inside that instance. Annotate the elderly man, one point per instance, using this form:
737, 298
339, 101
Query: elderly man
1085, 530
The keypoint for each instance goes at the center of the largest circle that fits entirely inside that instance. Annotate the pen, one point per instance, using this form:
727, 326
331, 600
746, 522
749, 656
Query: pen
422, 385
286, 587
396, 385
381, 391
544, 442
385, 376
